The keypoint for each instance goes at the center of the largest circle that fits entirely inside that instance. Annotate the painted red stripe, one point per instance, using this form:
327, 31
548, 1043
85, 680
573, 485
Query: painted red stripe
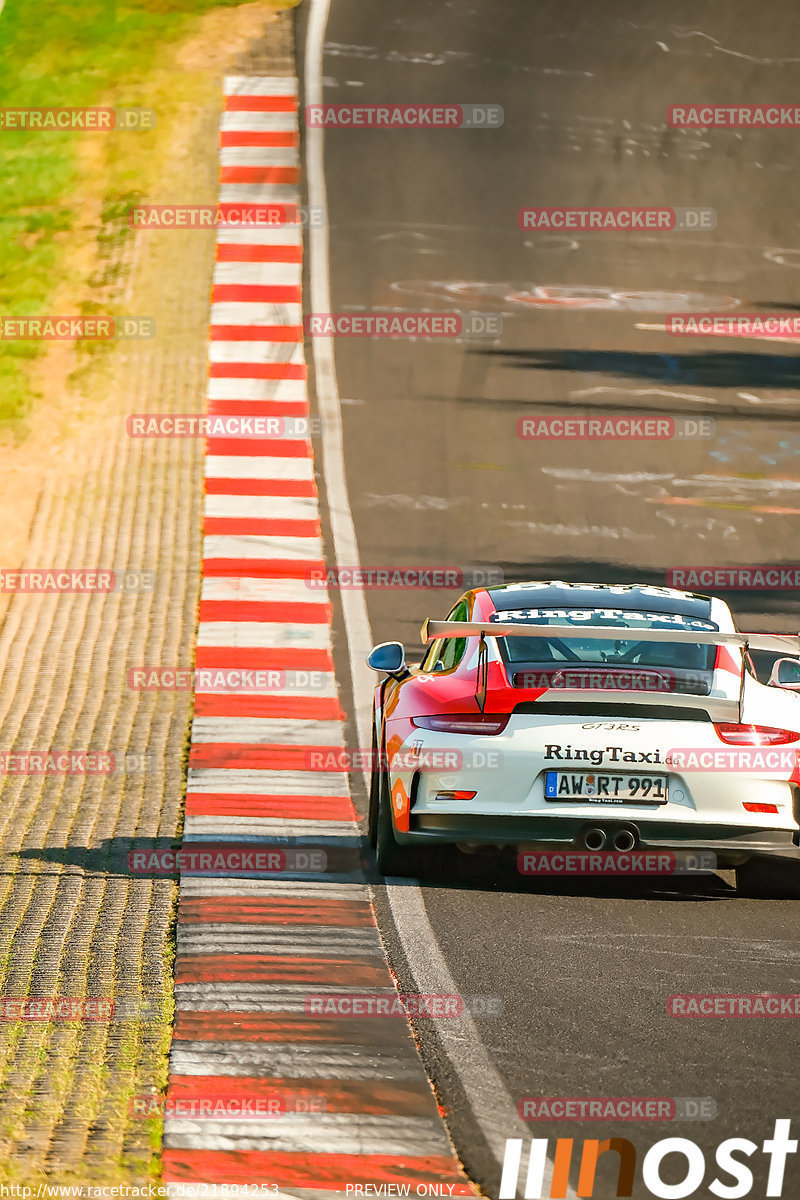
264, 658
258, 408
259, 252
258, 137
261, 487
243, 103
322, 708
290, 808
282, 968
245, 756
259, 1027
259, 174
400, 1098
322, 1171
247, 293
257, 333
261, 568
266, 447
272, 370
280, 910
261, 525
265, 610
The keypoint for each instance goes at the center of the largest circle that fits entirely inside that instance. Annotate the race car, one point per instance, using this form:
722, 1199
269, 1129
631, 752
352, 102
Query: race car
595, 718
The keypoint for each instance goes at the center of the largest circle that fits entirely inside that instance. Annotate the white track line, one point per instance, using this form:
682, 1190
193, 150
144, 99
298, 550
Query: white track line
483, 1087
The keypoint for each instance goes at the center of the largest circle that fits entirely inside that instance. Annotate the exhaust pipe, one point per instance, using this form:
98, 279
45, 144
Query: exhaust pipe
624, 840
594, 839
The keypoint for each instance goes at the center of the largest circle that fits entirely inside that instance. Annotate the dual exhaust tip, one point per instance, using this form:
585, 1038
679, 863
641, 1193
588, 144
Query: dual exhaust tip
598, 839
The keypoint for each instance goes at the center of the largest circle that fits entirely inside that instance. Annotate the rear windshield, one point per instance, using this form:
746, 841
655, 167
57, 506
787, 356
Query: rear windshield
621, 649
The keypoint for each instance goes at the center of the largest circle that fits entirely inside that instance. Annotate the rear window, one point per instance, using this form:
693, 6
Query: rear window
621, 650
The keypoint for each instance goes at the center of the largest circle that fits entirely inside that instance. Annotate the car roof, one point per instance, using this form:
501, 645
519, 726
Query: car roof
558, 594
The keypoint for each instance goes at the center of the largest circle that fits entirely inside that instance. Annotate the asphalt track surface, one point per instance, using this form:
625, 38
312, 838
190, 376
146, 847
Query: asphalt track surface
438, 477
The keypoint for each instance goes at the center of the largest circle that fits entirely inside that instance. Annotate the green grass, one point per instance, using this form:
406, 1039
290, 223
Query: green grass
58, 53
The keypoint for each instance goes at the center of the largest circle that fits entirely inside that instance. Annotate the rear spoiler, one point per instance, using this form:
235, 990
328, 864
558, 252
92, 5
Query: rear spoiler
718, 708
780, 643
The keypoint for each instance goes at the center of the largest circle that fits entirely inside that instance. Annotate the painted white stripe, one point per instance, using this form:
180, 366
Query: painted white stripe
295, 390
281, 274
267, 998
258, 156
267, 827
258, 122
256, 350
312, 1133
261, 235
265, 889
234, 466
255, 312
290, 549
259, 193
275, 508
310, 941
293, 1060
264, 635
260, 85
285, 591
247, 781
267, 730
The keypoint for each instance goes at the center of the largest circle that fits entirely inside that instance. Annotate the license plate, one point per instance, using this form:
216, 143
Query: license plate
605, 788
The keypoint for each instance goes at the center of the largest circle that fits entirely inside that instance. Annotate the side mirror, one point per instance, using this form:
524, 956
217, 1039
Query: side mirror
389, 657
786, 674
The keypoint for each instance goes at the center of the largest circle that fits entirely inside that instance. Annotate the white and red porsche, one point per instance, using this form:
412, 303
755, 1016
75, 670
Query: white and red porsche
590, 717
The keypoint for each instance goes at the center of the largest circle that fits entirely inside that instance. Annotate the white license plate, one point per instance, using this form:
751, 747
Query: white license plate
605, 788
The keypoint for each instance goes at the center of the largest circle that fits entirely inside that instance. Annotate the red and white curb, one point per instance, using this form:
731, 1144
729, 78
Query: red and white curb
358, 1106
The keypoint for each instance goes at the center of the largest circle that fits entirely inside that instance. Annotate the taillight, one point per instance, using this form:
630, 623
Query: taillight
459, 796
476, 723
754, 735
748, 806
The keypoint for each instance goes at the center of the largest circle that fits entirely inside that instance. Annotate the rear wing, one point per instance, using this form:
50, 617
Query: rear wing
781, 643
718, 708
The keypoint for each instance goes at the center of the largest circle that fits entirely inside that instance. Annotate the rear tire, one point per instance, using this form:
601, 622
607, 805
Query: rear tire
374, 791
392, 858
769, 879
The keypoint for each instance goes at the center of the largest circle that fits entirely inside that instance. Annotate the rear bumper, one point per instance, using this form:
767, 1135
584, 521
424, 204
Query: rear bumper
732, 844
